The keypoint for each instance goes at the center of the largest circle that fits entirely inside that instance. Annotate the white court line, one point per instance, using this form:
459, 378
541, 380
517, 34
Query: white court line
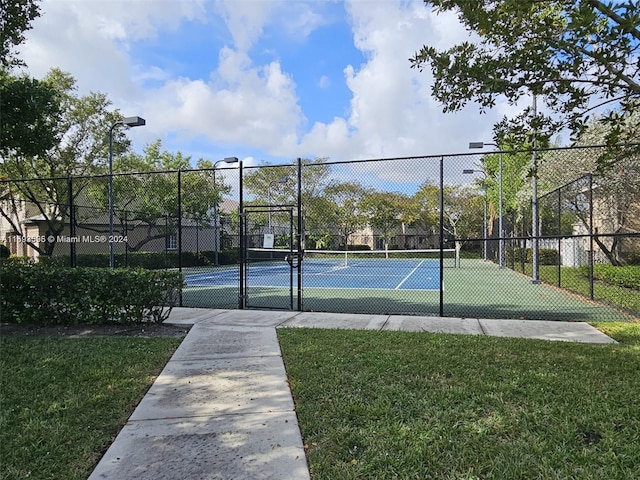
409, 274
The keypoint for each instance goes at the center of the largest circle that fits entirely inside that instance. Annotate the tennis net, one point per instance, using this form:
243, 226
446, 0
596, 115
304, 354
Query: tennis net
332, 259
377, 258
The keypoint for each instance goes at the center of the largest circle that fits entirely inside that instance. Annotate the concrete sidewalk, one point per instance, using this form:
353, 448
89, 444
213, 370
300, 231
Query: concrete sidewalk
222, 408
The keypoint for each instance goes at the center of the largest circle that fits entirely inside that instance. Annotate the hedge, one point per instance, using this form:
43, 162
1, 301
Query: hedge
47, 294
626, 276
147, 260
546, 256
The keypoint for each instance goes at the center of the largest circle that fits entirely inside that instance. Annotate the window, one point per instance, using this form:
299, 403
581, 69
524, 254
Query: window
172, 241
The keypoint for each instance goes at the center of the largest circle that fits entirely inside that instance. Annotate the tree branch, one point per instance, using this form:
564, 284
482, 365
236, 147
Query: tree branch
607, 11
630, 82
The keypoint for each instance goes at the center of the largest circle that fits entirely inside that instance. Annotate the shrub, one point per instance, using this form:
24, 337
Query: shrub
47, 294
633, 258
355, 246
147, 260
4, 251
546, 256
518, 255
627, 276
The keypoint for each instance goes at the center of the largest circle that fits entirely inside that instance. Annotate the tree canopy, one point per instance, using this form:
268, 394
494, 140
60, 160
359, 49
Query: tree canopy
345, 201
616, 190
146, 193
575, 55
30, 110
16, 19
75, 143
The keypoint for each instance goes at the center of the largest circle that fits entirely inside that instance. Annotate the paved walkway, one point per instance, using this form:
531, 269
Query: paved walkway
222, 408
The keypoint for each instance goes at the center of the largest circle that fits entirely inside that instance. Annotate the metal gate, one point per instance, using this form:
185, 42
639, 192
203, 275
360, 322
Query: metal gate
269, 258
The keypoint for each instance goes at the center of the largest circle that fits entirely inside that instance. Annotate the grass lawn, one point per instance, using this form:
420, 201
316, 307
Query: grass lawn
384, 405
572, 279
63, 400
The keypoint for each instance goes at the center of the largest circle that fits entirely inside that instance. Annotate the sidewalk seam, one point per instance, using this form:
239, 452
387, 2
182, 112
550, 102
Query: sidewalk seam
484, 332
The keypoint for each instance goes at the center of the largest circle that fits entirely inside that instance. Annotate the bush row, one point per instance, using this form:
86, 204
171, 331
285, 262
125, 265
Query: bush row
546, 256
47, 294
147, 260
355, 246
627, 276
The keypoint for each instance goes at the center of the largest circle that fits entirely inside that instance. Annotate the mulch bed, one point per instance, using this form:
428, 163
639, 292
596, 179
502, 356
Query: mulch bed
77, 331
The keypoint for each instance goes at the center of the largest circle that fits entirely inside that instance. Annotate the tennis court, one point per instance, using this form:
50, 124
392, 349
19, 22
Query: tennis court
372, 270
475, 289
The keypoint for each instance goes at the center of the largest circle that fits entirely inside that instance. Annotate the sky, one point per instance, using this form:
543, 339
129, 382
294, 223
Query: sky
261, 80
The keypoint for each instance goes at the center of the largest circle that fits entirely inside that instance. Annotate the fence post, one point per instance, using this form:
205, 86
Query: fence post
441, 235
72, 224
180, 227
300, 239
241, 242
559, 236
591, 246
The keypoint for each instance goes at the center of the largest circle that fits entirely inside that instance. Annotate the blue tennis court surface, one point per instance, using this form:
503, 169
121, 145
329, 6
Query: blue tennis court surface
396, 274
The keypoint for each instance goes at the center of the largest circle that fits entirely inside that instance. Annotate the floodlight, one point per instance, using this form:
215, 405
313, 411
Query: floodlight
134, 121
129, 122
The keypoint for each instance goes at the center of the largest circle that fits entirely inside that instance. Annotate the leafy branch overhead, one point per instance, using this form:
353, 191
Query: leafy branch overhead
576, 55
16, 19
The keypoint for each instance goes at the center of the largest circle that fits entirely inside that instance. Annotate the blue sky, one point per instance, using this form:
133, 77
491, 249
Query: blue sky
266, 81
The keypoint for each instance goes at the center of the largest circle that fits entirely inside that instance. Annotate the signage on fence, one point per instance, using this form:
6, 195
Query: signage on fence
268, 240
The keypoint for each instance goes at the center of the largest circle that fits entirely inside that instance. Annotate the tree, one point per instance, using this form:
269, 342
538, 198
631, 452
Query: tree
80, 148
16, 19
575, 55
320, 221
30, 111
616, 189
278, 184
29, 108
145, 190
458, 220
428, 200
345, 201
515, 192
385, 212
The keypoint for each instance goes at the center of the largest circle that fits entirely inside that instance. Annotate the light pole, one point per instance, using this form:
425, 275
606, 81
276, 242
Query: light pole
484, 225
500, 207
216, 221
535, 227
128, 122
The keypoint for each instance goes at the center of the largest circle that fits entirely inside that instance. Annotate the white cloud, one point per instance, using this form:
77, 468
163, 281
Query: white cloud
253, 105
392, 112
90, 40
250, 105
324, 82
246, 20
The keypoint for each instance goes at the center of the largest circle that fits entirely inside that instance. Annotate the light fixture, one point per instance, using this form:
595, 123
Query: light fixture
500, 207
128, 122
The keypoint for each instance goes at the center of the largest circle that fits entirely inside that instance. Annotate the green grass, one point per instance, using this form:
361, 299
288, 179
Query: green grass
64, 400
384, 405
574, 280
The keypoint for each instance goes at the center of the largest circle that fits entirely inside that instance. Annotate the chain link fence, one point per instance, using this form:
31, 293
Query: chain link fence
448, 235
